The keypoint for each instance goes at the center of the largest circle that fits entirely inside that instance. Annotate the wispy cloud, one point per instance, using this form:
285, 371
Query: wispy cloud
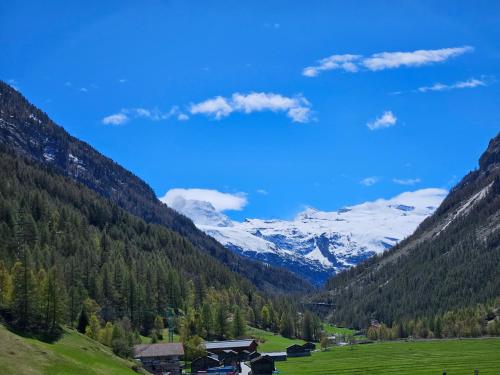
468, 84
385, 121
406, 181
127, 114
369, 181
297, 108
384, 60
262, 191
219, 200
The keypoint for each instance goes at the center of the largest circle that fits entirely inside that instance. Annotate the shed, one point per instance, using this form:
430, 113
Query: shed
237, 345
309, 346
297, 350
162, 357
263, 365
204, 363
277, 356
253, 355
229, 357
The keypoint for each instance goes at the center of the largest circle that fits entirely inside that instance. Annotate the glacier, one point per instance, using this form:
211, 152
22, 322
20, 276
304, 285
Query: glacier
317, 244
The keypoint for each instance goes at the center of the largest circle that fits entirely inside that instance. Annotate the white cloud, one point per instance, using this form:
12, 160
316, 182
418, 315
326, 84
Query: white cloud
149, 114
84, 89
116, 119
386, 120
345, 62
262, 191
384, 60
470, 83
217, 107
369, 181
297, 108
220, 201
406, 181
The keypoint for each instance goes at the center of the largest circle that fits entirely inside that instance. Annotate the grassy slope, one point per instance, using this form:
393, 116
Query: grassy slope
418, 357
72, 354
269, 342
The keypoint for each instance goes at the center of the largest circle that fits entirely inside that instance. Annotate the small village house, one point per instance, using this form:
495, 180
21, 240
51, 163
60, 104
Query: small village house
297, 350
217, 347
309, 346
202, 364
162, 358
263, 365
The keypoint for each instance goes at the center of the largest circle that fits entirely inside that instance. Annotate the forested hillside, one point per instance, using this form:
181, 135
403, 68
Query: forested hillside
451, 262
63, 247
29, 132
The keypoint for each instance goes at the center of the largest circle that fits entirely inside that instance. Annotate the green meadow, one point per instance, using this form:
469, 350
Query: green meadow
400, 357
72, 354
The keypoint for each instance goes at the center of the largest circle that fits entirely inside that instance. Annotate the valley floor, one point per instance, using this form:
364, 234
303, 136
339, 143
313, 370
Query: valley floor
400, 357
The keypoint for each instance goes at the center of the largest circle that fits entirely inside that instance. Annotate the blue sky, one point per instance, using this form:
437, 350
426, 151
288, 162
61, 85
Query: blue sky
363, 123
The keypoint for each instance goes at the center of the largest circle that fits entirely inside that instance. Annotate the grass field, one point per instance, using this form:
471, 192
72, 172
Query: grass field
333, 330
269, 342
417, 357
72, 354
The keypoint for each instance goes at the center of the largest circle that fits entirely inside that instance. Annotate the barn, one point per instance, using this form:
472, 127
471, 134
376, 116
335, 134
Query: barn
238, 346
263, 365
297, 350
160, 358
202, 364
309, 346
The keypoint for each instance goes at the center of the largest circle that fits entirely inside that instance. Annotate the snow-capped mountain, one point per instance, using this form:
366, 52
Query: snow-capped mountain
317, 243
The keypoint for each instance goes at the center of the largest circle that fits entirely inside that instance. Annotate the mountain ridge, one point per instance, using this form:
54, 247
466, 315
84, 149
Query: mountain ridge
451, 261
316, 243
29, 132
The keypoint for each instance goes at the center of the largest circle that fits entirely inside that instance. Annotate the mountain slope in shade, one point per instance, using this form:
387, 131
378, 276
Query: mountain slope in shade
452, 260
317, 244
29, 132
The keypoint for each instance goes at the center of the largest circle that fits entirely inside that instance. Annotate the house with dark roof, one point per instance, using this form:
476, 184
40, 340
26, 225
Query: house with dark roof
202, 364
277, 356
309, 346
263, 365
297, 350
238, 346
160, 358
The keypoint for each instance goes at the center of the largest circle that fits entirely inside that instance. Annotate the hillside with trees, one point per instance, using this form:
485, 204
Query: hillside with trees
71, 257
29, 132
447, 271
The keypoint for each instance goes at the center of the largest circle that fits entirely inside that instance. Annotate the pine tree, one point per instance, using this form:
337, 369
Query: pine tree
206, 320
221, 321
24, 298
83, 320
239, 323
265, 317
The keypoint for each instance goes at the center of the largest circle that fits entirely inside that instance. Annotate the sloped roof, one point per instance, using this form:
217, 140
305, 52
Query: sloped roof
158, 350
228, 344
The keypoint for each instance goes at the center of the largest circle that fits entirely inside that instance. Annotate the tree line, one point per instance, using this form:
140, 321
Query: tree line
61, 244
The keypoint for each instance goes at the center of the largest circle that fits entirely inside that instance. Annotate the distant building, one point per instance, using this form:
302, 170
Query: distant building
297, 350
253, 355
238, 346
277, 356
309, 346
160, 358
263, 365
229, 358
204, 363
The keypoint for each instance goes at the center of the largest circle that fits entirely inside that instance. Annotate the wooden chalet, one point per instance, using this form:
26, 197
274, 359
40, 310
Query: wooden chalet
309, 346
277, 356
297, 350
160, 358
263, 365
202, 364
217, 347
